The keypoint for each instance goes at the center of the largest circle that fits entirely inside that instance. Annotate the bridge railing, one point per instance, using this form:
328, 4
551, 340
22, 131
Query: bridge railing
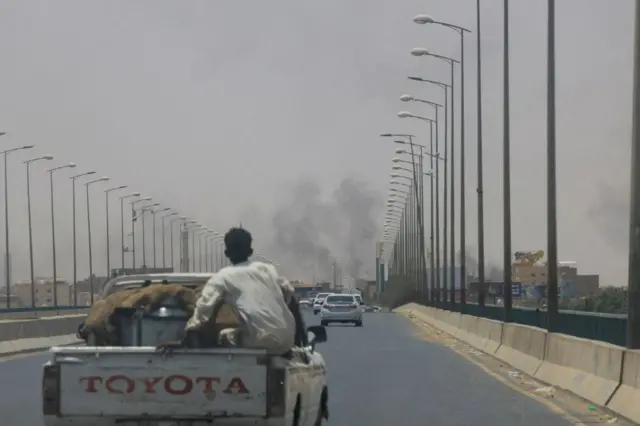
610, 328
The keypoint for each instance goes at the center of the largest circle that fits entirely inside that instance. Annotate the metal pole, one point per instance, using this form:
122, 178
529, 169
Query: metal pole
144, 241
506, 179
53, 243
106, 205
434, 288
133, 236
32, 274
193, 251
122, 230
206, 255
438, 271
480, 188
153, 215
7, 266
75, 254
200, 253
90, 249
552, 226
463, 222
452, 241
633, 298
171, 233
164, 255
445, 201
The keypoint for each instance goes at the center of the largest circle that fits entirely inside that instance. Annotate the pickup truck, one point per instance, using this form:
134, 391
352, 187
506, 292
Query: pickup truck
138, 386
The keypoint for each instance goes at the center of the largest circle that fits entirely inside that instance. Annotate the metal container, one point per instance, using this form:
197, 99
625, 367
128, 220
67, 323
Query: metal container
163, 325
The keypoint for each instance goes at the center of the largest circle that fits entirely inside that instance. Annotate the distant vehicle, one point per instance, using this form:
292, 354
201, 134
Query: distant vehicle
305, 303
318, 301
341, 308
359, 299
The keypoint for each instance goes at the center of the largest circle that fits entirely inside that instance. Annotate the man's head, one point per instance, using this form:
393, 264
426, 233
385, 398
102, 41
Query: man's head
238, 245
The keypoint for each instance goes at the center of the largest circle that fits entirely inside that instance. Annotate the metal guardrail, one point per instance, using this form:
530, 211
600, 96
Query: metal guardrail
609, 328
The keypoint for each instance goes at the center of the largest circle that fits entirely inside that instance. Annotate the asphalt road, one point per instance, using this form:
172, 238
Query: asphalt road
379, 375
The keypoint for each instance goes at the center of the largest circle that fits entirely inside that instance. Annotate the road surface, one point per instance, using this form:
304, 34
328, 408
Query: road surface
383, 374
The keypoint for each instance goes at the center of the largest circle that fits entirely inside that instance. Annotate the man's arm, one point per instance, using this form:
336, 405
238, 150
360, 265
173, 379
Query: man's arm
212, 293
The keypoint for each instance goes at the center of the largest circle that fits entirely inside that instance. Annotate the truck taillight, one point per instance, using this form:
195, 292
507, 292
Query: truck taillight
51, 390
276, 392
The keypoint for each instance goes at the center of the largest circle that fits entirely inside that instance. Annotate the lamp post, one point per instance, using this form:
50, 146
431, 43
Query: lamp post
53, 230
164, 252
420, 51
134, 218
31, 270
75, 252
7, 265
153, 218
106, 206
86, 186
426, 19
122, 246
143, 210
181, 219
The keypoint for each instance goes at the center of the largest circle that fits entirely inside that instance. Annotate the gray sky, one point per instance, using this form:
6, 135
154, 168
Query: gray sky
218, 109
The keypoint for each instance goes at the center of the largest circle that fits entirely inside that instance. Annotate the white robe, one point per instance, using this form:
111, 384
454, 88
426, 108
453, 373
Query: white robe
253, 291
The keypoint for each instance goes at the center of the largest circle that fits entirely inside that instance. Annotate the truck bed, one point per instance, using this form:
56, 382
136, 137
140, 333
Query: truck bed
137, 382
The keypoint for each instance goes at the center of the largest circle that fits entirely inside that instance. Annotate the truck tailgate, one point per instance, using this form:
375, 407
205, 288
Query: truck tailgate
137, 382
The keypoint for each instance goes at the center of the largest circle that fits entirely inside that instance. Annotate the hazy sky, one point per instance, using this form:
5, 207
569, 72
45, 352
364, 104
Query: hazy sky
217, 109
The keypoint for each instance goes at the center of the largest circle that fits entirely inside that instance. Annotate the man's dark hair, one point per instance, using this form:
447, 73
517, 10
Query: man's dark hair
237, 243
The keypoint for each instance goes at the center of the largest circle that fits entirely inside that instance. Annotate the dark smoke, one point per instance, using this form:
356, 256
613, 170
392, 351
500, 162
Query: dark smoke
308, 227
611, 217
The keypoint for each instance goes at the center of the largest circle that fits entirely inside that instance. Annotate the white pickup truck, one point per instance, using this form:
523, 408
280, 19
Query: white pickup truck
137, 386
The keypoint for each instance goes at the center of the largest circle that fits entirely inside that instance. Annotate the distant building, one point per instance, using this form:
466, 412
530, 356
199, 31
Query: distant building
14, 300
534, 279
43, 290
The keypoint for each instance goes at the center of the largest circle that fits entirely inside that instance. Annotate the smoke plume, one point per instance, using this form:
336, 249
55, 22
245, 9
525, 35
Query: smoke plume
308, 228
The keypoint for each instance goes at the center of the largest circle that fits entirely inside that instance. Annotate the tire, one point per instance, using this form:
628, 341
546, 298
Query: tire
324, 323
359, 323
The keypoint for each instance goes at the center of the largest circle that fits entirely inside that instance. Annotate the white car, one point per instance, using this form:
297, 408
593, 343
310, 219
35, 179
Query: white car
341, 308
318, 301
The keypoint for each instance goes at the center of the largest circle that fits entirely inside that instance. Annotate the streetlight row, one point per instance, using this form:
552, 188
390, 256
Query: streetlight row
404, 228
210, 263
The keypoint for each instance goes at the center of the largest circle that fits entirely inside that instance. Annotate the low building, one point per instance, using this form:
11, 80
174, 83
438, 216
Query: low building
43, 290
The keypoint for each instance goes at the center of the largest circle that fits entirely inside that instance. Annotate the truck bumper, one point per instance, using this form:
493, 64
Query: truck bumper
221, 421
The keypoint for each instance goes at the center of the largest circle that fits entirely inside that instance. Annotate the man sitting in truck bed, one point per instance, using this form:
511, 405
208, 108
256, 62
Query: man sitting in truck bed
252, 290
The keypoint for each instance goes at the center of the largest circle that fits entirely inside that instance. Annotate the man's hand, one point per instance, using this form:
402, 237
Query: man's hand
168, 347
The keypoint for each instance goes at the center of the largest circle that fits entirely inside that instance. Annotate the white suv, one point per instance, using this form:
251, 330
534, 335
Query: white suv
318, 301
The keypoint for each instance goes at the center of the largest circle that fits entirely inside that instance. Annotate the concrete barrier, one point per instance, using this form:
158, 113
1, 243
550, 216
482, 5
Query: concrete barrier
587, 368
43, 327
522, 347
625, 399
29, 314
599, 372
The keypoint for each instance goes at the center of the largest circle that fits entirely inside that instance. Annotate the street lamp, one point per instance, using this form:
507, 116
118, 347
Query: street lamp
33, 280
122, 247
164, 252
106, 206
182, 219
86, 186
426, 19
75, 257
53, 230
134, 218
143, 210
7, 268
153, 218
